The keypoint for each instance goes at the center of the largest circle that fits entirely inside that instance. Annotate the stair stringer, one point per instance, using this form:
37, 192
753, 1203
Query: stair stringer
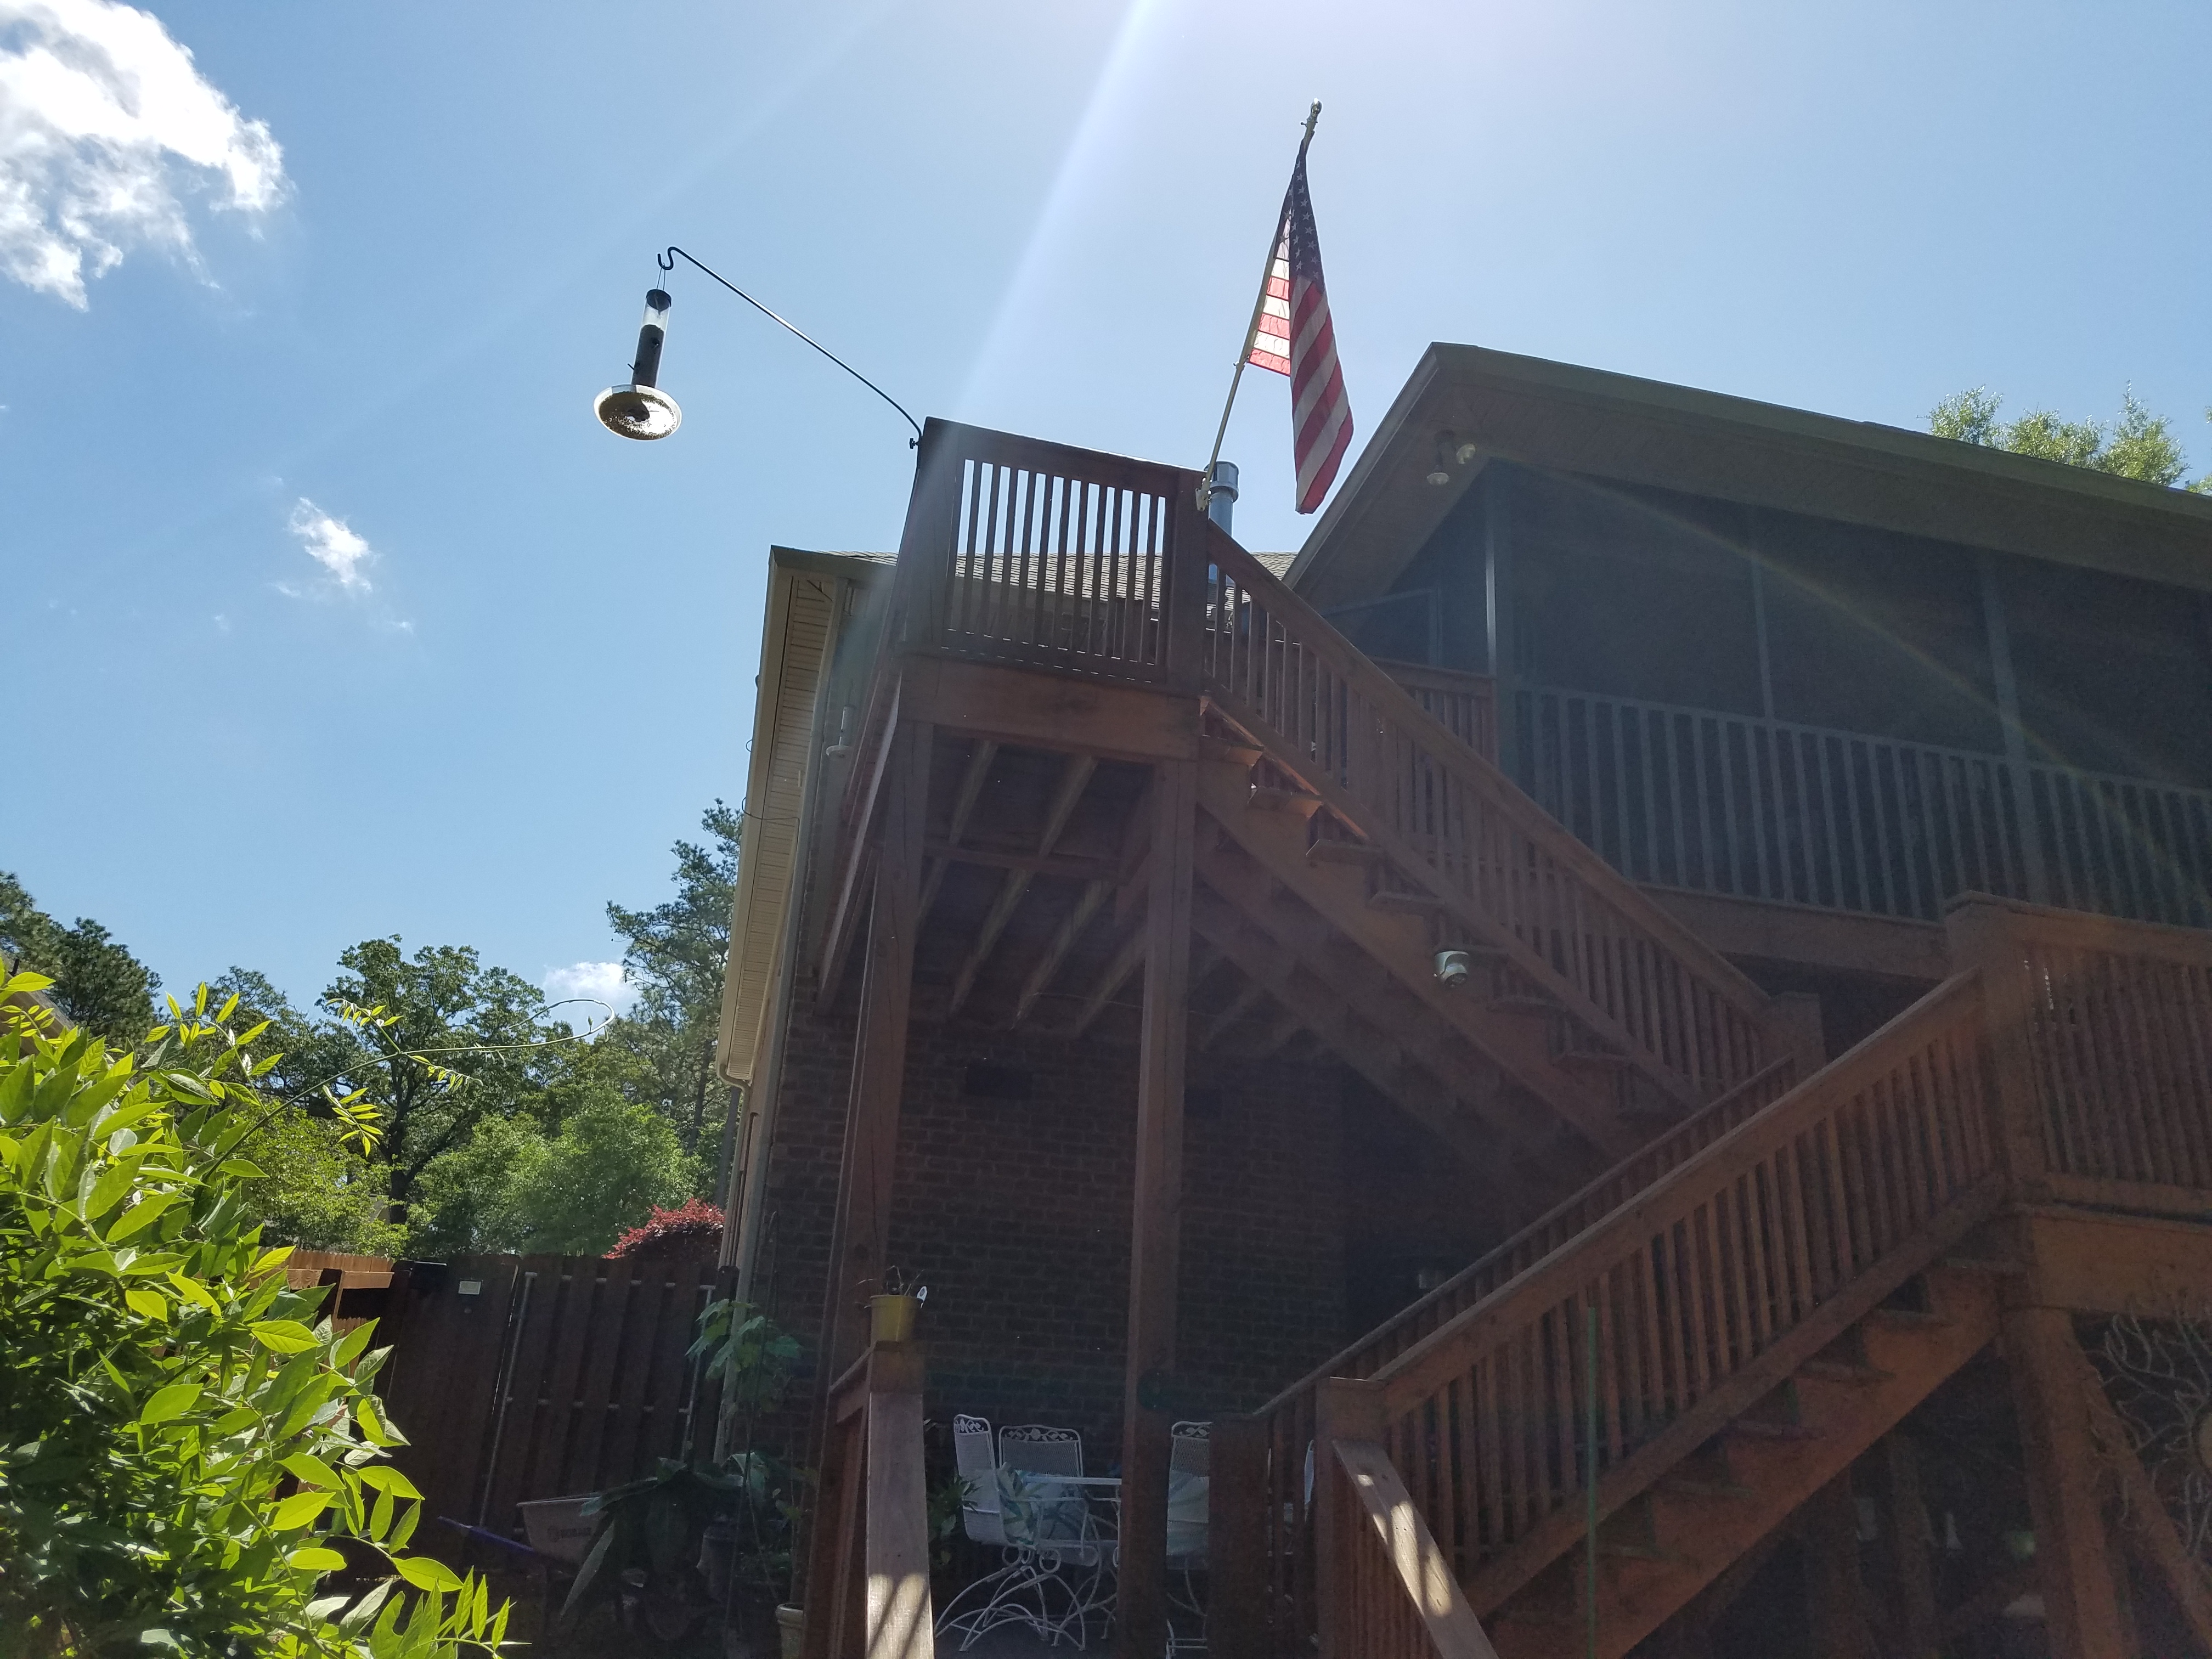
1694, 1532
1494, 1588
1276, 842
1407, 864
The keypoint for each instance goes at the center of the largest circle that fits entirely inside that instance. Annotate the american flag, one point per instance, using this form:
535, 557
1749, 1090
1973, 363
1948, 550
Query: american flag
1293, 336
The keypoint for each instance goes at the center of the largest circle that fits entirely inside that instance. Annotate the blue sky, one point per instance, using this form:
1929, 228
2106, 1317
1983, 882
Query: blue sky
369, 329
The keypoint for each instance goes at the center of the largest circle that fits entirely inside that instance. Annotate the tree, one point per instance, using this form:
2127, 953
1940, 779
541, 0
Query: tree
182, 1438
458, 1044
98, 983
2139, 445
512, 1187
675, 953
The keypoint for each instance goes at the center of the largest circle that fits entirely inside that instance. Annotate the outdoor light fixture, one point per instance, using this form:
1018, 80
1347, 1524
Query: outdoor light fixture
1441, 473
641, 409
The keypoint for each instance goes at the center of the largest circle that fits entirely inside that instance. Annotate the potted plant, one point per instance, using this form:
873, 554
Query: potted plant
700, 1535
892, 1314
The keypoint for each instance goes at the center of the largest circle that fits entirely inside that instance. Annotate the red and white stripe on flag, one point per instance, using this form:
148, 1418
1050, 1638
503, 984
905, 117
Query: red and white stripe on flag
1295, 338
1270, 341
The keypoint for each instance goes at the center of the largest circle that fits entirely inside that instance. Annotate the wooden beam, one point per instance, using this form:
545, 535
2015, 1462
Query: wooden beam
1127, 960
1910, 1542
860, 1234
1375, 999
1074, 779
1045, 709
2072, 1563
1239, 1005
851, 885
1156, 1219
1065, 867
1047, 967
964, 808
1835, 1596
1309, 1002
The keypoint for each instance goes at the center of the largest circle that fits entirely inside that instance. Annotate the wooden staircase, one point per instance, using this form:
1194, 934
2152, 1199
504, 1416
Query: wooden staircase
1773, 1285
1675, 1537
1362, 836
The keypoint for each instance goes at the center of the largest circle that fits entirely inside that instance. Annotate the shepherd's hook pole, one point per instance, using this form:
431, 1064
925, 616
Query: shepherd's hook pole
667, 262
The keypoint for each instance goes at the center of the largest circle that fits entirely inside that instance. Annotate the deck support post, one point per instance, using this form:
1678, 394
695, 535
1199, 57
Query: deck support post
1910, 1541
860, 1234
2073, 1556
1835, 1596
1156, 1217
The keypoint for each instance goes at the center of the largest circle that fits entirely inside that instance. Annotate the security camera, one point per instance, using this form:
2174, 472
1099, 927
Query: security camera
1452, 968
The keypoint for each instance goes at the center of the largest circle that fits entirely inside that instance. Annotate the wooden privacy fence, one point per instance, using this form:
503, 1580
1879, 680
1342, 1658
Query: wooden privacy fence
1625, 970
521, 1377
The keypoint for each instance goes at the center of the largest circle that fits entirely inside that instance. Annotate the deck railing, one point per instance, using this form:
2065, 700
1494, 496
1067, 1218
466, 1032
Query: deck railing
867, 1583
1019, 551
1769, 810
1288, 1421
2108, 1064
1621, 966
2067, 1058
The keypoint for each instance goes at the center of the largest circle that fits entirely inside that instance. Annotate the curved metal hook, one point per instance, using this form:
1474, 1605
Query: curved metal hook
667, 262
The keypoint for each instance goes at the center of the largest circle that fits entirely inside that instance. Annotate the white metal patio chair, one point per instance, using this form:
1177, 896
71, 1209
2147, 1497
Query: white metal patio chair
1011, 1594
1045, 1508
1190, 1466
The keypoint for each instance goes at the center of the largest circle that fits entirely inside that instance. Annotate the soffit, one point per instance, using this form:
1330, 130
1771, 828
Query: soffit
1566, 419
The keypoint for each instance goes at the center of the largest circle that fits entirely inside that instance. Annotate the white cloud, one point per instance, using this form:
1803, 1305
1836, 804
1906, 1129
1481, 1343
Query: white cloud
332, 544
106, 127
607, 981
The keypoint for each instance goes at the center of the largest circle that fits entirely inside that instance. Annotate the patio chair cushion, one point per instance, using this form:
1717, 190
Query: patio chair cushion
1036, 1509
1188, 1497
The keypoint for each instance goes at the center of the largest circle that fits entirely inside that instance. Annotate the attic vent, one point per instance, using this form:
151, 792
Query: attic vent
989, 1082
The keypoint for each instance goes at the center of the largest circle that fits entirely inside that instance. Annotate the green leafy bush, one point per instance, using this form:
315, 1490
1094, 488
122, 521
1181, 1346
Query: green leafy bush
186, 1451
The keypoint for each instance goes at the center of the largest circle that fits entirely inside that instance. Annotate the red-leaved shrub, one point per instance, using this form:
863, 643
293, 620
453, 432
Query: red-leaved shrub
693, 1233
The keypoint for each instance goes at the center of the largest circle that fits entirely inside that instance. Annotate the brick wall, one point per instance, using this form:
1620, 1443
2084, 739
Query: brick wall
1016, 1214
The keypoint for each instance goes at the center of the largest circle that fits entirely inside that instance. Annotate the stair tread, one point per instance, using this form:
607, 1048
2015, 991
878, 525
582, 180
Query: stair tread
1266, 794
1346, 852
1977, 1264
1844, 1371
1596, 1059
1684, 1486
1908, 1319
1420, 902
1754, 1428
1524, 1005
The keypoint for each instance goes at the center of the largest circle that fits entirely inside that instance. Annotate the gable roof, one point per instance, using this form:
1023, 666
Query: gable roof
1571, 420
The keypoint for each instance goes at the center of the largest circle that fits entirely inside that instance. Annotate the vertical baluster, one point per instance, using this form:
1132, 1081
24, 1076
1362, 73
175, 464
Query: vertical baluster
1565, 1323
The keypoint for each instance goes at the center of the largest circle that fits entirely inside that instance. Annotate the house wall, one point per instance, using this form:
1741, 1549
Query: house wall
1015, 1212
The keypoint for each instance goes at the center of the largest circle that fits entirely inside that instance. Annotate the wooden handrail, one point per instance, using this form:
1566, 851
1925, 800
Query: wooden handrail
1551, 1230
1317, 634
1631, 974
1946, 1010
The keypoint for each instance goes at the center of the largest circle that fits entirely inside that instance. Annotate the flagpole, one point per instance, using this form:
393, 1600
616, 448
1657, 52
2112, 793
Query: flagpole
1252, 329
